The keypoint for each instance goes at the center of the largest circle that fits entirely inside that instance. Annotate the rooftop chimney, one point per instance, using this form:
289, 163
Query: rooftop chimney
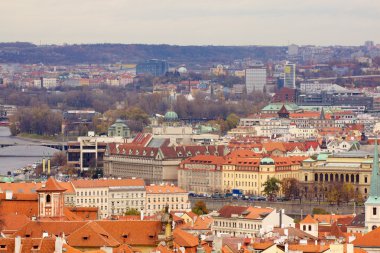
58, 245
18, 244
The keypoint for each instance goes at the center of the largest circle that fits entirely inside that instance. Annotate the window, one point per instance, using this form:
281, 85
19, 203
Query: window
48, 198
304, 227
309, 227
374, 211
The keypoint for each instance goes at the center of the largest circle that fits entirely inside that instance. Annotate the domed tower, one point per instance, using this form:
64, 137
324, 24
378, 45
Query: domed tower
50, 199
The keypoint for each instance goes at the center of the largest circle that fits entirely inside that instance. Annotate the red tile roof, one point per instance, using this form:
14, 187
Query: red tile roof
370, 239
51, 185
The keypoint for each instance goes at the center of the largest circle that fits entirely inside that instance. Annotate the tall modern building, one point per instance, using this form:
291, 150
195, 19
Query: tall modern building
255, 79
290, 75
152, 67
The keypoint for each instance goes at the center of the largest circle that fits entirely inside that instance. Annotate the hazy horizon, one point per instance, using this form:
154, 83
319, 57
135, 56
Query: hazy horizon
197, 22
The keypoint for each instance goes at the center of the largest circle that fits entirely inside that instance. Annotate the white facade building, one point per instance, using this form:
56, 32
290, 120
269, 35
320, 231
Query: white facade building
255, 79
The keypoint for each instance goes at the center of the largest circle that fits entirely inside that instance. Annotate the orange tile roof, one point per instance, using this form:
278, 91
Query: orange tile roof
91, 235
160, 189
51, 185
330, 218
309, 248
138, 232
262, 245
184, 239
13, 222
26, 204
370, 239
68, 186
35, 228
31, 187
85, 183
309, 219
271, 146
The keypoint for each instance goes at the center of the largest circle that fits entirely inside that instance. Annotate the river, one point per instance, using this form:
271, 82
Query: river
23, 151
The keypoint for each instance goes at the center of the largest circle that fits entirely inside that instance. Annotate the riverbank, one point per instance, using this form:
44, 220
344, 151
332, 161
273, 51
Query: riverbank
39, 138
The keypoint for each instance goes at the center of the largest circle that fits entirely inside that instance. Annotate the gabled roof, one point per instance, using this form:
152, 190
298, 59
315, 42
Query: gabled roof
184, 239
308, 219
91, 235
370, 239
51, 185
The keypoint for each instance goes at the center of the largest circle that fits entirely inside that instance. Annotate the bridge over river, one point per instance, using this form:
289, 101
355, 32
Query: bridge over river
17, 153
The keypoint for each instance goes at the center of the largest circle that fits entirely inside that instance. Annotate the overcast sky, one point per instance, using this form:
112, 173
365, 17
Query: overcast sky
191, 22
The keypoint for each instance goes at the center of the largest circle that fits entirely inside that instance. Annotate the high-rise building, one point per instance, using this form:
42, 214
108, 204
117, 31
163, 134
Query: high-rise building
153, 67
290, 75
255, 79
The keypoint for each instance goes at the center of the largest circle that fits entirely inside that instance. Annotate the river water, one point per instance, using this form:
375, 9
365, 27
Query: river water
8, 161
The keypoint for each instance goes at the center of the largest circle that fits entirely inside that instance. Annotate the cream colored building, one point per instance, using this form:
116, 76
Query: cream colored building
201, 174
250, 174
352, 167
110, 196
159, 196
240, 221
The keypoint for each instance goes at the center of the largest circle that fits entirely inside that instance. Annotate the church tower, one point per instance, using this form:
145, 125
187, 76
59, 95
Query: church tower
372, 205
50, 199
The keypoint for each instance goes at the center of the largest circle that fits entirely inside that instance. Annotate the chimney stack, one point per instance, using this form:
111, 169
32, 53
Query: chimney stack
18, 244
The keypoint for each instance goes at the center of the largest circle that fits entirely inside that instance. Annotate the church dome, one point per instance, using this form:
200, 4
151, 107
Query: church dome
171, 116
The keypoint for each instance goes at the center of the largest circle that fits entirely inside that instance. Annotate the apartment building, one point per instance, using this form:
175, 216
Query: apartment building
249, 174
110, 196
159, 196
201, 174
243, 221
241, 169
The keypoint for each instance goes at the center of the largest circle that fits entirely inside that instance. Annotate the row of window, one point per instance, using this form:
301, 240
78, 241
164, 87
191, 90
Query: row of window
176, 199
233, 224
92, 193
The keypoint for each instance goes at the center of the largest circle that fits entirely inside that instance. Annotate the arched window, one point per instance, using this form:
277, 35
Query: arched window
304, 227
309, 227
48, 198
316, 177
374, 227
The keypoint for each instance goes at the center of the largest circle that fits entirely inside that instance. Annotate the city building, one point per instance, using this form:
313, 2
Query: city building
119, 129
352, 167
160, 196
201, 174
290, 75
110, 196
88, 151
152, 67
154, 161
243, 221
249, 174
255, 79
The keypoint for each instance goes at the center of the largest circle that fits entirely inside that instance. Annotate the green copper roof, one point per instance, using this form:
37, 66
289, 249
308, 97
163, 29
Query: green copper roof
275, 107
322, 156
171, 116
375, 180
267, 160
